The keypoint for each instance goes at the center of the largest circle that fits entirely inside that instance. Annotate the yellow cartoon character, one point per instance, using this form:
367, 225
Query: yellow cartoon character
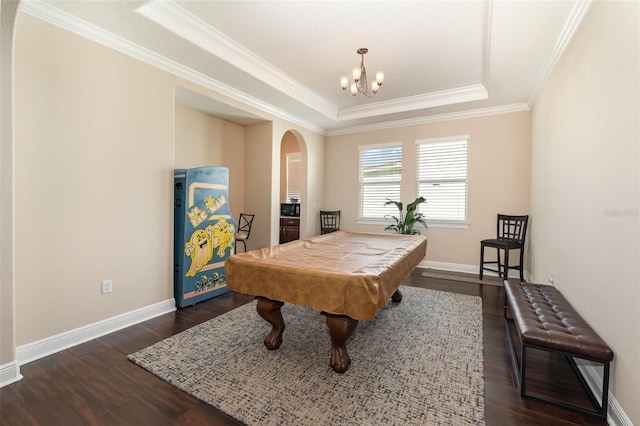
200, 249
223, 236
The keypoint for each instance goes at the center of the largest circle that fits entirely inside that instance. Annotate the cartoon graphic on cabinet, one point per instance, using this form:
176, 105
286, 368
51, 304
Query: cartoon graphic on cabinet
204, 233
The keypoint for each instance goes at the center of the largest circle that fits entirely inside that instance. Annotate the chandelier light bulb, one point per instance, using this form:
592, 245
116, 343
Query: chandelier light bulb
360, 84
344, 83
356, 74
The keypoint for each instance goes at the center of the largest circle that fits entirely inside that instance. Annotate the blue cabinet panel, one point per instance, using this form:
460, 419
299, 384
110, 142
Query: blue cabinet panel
204, 233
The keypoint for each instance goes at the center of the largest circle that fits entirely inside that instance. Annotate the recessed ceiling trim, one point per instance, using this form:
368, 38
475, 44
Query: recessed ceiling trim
57, 17
486, 39
412, 103
577, 14
174, 18
216, 86
503, 109
61, 19
213, 107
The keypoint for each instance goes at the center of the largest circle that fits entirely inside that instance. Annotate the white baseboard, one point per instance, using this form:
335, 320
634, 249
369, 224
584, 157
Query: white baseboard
455, 267
467, 269
50, 345
9, 373
615, 414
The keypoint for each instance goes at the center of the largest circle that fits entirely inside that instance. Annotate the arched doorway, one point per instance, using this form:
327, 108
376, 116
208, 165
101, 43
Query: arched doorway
293, 181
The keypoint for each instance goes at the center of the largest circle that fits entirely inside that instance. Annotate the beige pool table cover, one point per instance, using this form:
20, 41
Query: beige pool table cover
342, 273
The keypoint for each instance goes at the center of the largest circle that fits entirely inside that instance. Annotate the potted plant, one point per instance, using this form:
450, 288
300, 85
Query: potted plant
405, 223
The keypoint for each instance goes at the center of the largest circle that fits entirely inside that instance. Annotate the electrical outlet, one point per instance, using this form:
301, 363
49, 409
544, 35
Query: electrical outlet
107, 286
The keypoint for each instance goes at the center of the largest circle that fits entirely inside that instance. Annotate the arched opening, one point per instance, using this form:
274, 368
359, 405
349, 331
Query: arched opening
293, 191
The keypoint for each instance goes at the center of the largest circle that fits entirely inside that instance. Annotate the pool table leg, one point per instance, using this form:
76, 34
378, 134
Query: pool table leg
270, 311
341, 328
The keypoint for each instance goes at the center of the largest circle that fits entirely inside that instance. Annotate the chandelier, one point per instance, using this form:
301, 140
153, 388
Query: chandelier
359, 84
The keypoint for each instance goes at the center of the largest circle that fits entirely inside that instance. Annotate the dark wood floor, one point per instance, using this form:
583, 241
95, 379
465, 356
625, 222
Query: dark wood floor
95, 384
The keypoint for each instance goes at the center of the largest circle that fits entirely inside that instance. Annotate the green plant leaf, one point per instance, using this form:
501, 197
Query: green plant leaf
405, 224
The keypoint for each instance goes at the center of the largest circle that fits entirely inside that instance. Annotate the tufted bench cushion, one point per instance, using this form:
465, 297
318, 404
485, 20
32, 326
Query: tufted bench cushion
546, 321
545, 318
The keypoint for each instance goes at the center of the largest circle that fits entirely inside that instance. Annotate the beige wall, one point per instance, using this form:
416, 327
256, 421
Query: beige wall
93, 169
586, 185
8, 15
499, 157
95, 154
261, 173
203, 140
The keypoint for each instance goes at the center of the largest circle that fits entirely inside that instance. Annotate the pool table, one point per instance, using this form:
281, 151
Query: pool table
348, 276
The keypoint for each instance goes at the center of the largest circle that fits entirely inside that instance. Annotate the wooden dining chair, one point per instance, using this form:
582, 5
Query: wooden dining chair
329, 221
510, 235
244, 229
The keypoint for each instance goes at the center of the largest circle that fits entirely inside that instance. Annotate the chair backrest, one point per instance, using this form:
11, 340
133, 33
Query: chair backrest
512, 227
329, 221
244, 225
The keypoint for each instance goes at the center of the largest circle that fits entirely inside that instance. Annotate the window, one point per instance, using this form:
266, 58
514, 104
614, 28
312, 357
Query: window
442, 179
380, 177
294, 176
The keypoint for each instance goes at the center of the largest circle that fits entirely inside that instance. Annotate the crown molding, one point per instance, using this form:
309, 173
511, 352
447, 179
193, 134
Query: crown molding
55, 16
486, 39
174, 18
433, 99
577, 14
61, 19
503, 109
412, 103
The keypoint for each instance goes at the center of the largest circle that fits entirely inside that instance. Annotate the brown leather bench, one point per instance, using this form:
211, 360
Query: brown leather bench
546, 321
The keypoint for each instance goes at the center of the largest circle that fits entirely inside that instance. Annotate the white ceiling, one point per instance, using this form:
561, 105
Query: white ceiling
442, 59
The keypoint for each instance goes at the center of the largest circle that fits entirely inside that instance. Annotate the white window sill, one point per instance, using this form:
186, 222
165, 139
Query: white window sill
384, 222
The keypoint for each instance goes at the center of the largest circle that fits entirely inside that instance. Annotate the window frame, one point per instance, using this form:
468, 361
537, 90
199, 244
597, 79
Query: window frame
424, 208
291, 157
389, 210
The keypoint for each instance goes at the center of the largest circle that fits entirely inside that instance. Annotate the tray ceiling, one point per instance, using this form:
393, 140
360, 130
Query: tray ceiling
442, 59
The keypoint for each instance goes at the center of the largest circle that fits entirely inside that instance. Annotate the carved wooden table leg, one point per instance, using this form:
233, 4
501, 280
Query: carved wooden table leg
270, 311
397, 296
340, 328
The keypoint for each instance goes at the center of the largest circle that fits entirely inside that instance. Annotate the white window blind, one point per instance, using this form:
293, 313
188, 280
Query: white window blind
380, 177
442, 179
294, 176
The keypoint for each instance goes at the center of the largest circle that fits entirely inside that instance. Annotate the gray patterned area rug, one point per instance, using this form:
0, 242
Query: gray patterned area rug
419, 362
